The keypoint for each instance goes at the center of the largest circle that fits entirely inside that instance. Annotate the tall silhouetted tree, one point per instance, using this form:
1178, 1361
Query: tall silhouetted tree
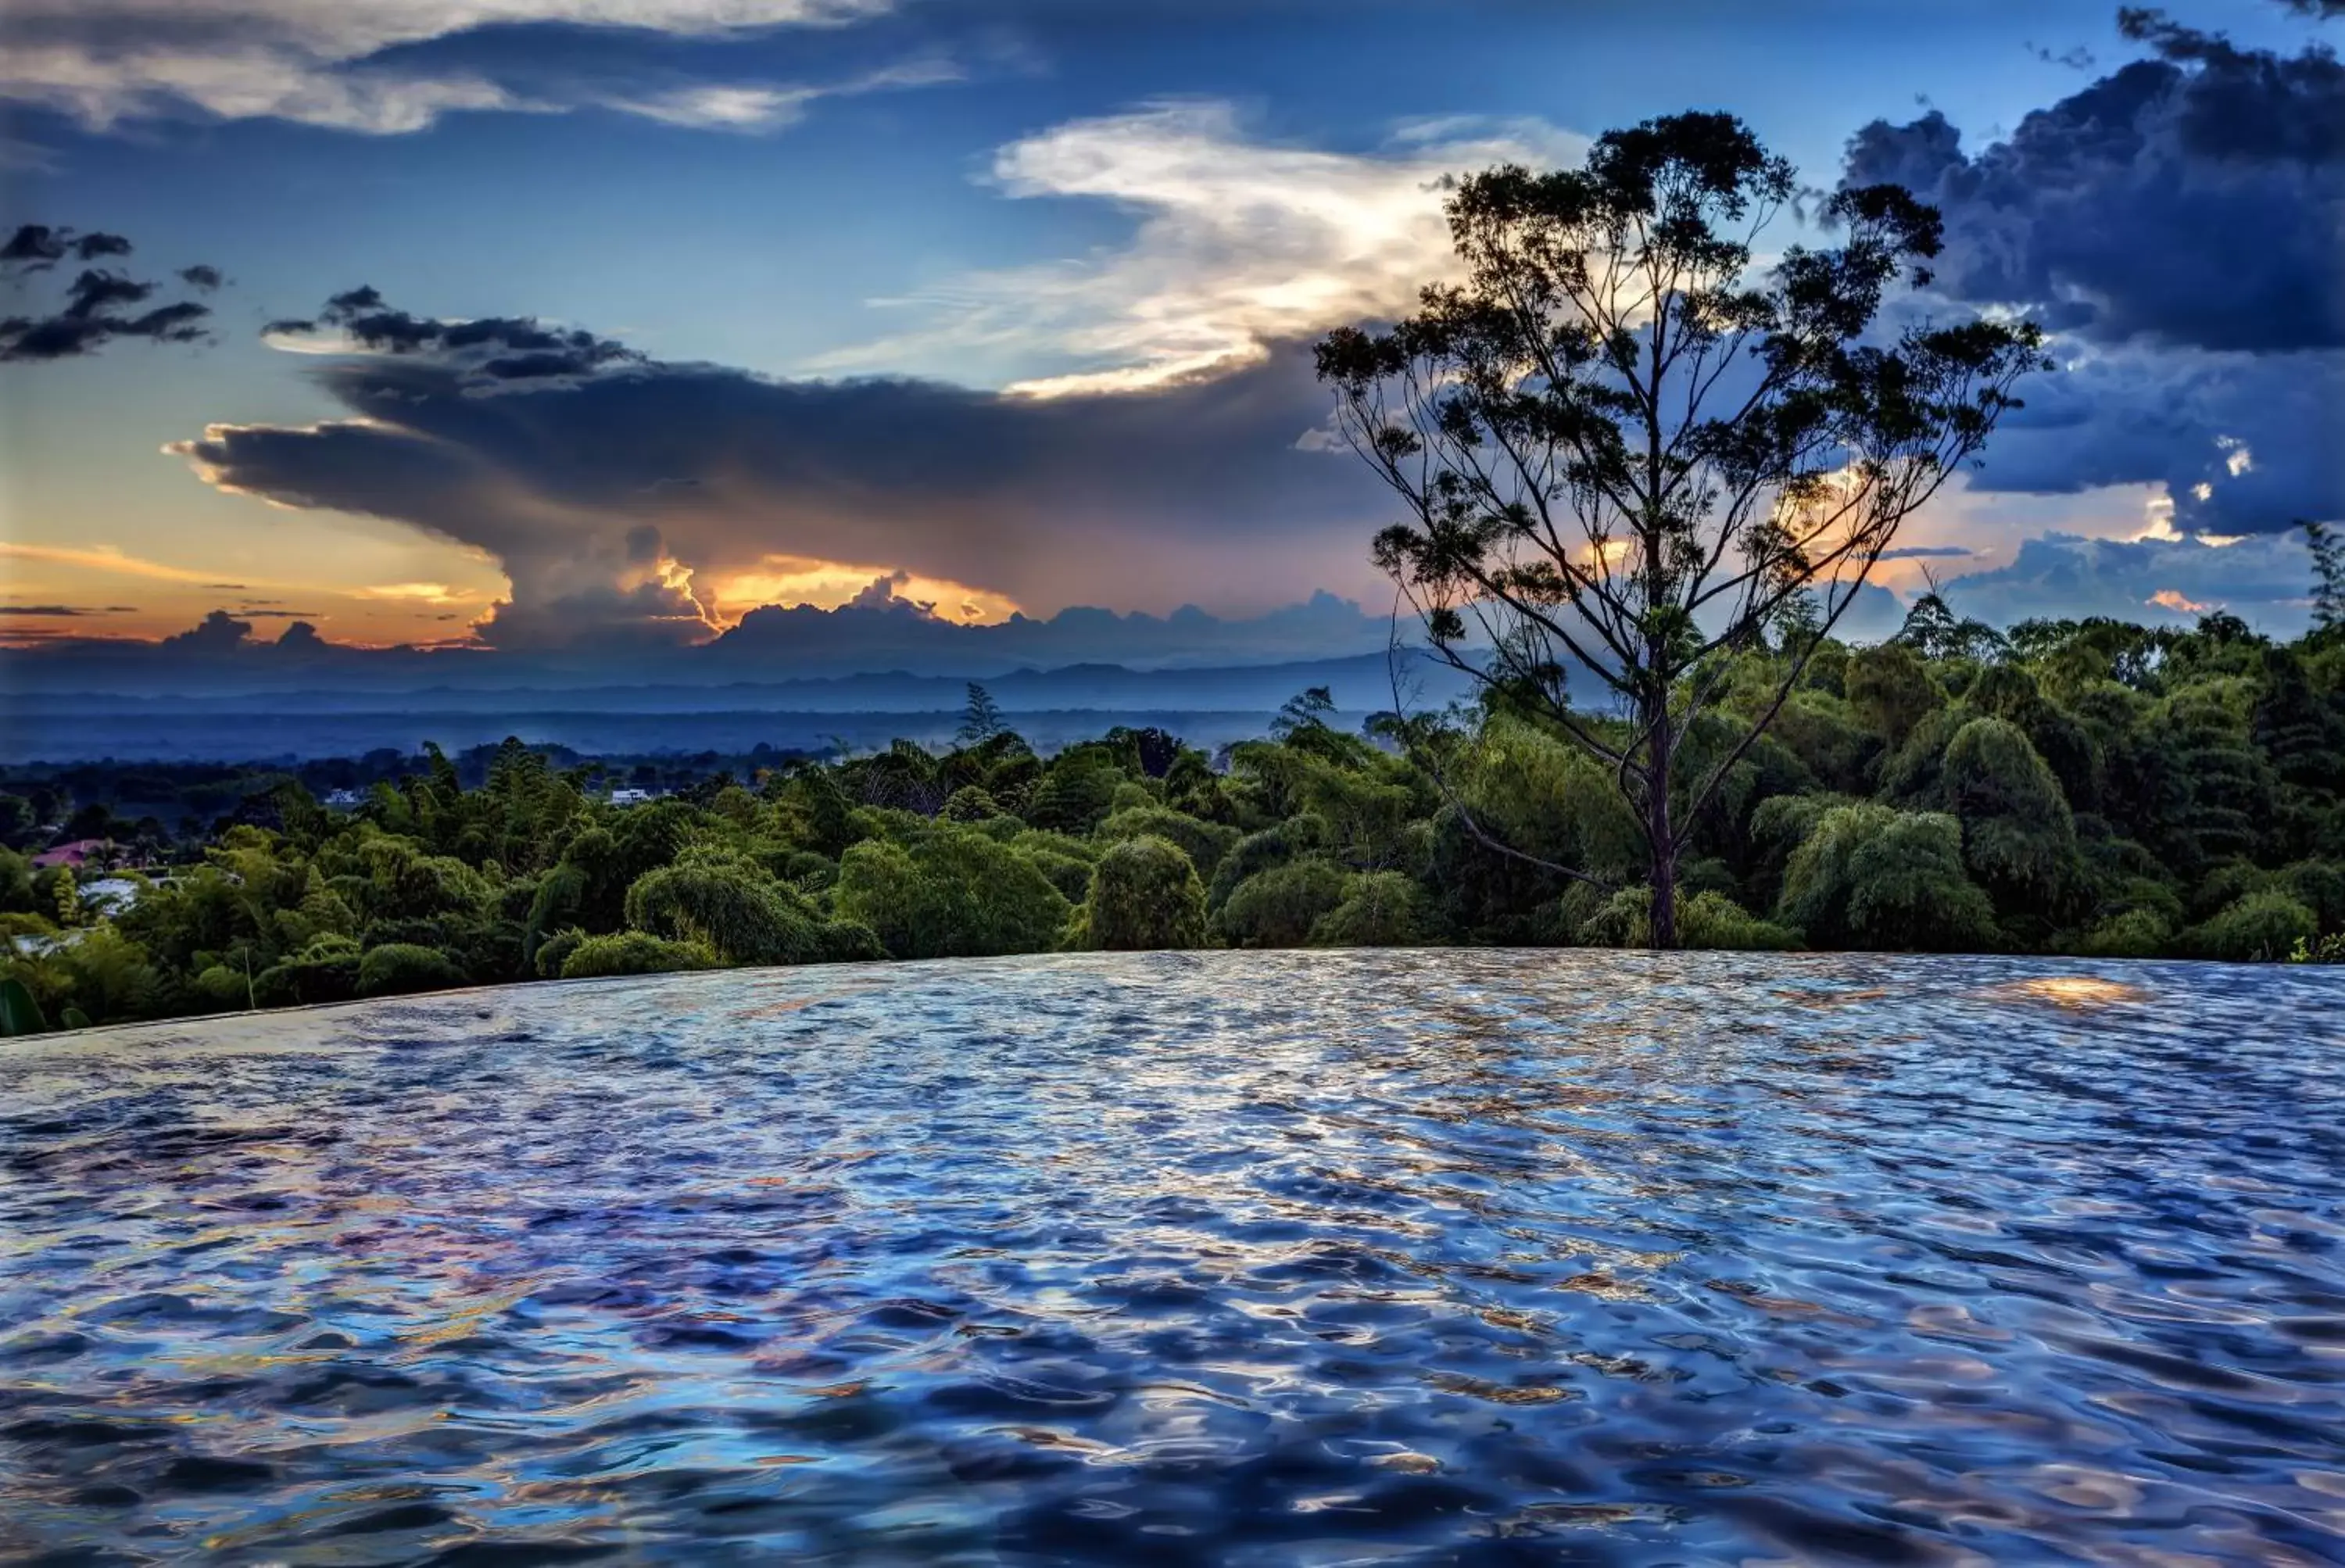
982, 720
2328, 579
1615, 445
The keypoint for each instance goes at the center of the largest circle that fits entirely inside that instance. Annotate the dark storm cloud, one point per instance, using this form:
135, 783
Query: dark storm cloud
2193, 199
35, 246
491, 348
1134, 494
2245, 444
99, 305
218, 633
2177, 224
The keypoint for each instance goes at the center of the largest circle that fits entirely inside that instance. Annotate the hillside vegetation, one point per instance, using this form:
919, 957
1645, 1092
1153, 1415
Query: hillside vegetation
2086, 788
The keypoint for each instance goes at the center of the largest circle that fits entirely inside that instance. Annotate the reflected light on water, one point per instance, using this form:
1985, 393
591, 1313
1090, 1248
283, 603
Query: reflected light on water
2077, 992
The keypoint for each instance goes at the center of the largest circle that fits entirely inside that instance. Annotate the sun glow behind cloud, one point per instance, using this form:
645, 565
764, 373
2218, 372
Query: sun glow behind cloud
832, 585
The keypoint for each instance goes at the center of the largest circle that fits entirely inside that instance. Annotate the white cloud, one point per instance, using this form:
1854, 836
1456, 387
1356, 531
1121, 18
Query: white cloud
105, 61
1239, 243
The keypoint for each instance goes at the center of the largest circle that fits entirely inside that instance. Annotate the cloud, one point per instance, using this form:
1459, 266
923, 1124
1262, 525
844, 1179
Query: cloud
2193, 199
1238, 244
2243, 443
2176, 222
879, 630
63, 611
355, 67
618, 495
107, 558
99, 305
485, 350
2266, 580
217, 632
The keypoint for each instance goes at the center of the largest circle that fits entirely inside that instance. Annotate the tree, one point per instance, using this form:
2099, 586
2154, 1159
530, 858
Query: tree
1144, 895
1617, 449
982, 720
2328, 579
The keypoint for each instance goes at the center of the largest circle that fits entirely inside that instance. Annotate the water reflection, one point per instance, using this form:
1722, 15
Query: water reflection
1232, 1258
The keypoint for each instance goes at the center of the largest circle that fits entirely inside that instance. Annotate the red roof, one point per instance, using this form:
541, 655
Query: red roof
74, 854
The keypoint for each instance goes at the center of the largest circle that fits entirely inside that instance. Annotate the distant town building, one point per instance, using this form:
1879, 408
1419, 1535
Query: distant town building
77, 854
344, 799
635, 796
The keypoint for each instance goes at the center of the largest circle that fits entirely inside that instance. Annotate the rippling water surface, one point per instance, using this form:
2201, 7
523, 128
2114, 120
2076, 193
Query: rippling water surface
1247, 1259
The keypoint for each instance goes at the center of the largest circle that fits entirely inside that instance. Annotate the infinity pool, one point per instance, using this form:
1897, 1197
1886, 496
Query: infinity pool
1228, 1258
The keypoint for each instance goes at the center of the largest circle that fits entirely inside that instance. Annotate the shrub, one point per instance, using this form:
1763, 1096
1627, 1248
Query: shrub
1870, 876
325, 971
1204, 842
1381, 909
1258, 852
738, 914
633, 952
1279, 907
1712, 920
848, 941
1890, 690
2019, 839
956, 894
1070, 874
2134, 934
555, 950
1707, 919
2262, 928
1144, 895
970, 804
398, 967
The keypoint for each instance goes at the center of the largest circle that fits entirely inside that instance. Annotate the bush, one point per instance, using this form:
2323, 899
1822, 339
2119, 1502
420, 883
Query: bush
1381, 909
1870, 876
2135, 933
1070, 874
1204, 842
1706, 920
956, 894
1890, 690
738, 914
1144, 896
633, 952
1712, 920
970, 804
555, 950
2019, 839
1279, 907
325, 971
398, 967
1258, 852
848, 942
2262, 928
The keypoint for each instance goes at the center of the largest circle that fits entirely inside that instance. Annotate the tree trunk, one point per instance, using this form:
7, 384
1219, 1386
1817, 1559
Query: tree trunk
1660, 837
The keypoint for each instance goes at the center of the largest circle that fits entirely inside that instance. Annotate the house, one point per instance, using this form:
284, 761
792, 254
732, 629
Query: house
77, 854
344, 801
635, 796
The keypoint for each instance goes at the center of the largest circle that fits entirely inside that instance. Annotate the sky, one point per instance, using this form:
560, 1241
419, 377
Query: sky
961, 310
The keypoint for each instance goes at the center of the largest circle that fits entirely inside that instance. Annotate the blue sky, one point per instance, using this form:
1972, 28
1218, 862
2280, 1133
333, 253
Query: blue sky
983, 194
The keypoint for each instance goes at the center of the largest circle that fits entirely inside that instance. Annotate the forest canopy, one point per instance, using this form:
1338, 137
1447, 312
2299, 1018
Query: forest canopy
2075, 787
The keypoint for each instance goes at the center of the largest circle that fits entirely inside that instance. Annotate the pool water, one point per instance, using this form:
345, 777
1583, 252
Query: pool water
1282, 1258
